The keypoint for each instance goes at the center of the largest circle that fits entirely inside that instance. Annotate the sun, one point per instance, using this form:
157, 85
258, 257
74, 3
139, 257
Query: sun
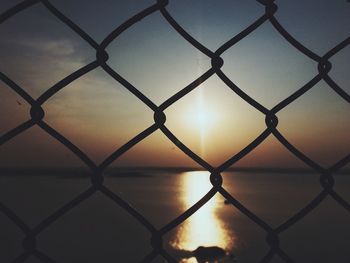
203, 120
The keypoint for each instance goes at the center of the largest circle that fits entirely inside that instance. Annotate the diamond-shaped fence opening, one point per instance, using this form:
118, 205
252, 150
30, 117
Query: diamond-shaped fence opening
246, 66
275, 252
164, 53
97, 96
207, 129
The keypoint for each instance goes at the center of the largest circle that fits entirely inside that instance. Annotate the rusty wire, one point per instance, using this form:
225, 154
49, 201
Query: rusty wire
37, 118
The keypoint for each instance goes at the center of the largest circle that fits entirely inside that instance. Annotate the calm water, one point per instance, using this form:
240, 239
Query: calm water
100, 231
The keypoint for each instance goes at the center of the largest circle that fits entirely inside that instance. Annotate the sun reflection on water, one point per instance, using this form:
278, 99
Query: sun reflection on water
204, 228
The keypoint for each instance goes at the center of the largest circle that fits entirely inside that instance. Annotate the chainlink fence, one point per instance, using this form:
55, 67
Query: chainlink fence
37, 118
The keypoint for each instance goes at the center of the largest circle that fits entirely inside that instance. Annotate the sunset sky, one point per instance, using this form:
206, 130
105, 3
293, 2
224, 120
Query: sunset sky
99, 115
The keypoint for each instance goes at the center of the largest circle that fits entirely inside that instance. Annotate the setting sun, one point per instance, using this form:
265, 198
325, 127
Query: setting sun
202, 119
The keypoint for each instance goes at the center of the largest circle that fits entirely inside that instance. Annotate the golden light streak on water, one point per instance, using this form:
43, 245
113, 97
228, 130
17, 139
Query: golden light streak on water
204, 228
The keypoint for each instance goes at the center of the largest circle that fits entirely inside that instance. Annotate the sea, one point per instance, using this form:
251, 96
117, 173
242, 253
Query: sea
100, 230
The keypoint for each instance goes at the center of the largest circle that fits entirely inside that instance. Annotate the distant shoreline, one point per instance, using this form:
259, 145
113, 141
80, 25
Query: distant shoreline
124, 171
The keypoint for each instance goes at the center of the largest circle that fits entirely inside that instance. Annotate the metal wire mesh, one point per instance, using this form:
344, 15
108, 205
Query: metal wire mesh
37, 118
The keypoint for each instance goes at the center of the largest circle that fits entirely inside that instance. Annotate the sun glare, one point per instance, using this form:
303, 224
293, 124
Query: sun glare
204, 228
201, 119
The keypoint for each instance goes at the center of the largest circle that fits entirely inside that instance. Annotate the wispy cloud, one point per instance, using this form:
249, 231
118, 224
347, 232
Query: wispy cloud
53, 47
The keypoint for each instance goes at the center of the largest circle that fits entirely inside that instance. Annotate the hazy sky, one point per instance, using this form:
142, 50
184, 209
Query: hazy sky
99, 115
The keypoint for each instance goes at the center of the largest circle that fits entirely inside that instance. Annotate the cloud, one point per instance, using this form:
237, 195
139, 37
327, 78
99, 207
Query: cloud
53, 47
38, 63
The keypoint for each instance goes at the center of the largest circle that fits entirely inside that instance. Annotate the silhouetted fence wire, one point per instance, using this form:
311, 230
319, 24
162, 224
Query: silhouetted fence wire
38, 115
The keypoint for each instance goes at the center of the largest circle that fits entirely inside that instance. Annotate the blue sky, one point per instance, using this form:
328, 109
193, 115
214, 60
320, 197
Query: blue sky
99, 115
